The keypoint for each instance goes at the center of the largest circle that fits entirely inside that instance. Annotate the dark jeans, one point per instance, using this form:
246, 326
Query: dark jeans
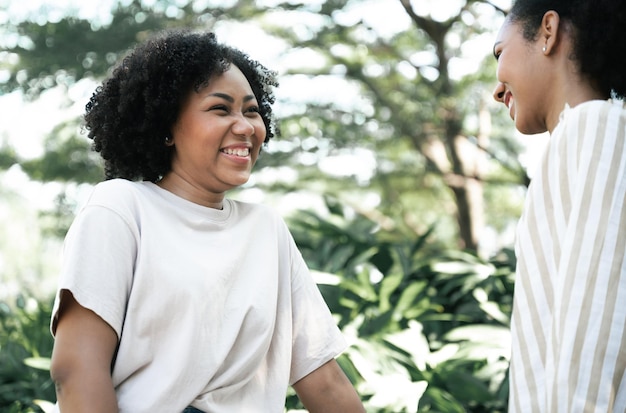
190, 409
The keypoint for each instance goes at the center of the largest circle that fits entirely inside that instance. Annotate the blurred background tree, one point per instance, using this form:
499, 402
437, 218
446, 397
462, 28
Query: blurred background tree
400, 91
397, 172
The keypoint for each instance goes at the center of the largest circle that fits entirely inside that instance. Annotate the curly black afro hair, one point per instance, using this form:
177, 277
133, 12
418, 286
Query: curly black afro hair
132, 113
599, 36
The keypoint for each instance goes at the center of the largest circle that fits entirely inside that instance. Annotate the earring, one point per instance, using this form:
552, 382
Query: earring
544, 49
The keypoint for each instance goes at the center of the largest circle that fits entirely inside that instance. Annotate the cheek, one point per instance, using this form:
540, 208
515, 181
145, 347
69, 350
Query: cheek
260, 131
185, 126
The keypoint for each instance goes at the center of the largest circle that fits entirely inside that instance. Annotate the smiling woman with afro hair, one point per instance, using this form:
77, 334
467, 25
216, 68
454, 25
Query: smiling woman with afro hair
131, 115
172, 297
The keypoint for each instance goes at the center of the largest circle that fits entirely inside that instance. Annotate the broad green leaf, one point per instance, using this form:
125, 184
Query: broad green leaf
388, 286
439, 400
41, 363
376, 325
409, 296
466, 388
412, 341
480, 334
493, 309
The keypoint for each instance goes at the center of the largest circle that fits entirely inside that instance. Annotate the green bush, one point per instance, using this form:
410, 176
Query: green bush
428, 327
25, 349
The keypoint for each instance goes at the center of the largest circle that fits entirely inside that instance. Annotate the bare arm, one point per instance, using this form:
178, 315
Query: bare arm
81, 360
328, 390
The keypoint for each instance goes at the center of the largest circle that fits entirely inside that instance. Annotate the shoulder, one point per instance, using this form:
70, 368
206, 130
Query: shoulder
119, 195
598, 113
248, 208
116, 190
114, 187
110, 209
591, 126
588, 147
261, 216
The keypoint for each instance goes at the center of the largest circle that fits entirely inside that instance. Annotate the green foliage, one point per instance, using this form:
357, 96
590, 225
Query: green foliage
25, 349
67, 158
425, 122
428, 327
8, 157
66, 50
406, 107
48, 59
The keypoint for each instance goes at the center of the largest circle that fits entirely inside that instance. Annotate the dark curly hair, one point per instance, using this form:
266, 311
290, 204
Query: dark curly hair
599, 36
132, 113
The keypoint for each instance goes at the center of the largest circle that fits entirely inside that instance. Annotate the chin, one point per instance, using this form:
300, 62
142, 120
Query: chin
529, 129
241, 181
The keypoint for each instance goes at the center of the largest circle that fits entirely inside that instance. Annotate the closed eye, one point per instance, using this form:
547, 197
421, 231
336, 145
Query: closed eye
496, 51
222, 108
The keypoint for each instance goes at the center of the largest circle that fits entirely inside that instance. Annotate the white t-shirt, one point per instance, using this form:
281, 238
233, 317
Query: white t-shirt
569, 310
212, 308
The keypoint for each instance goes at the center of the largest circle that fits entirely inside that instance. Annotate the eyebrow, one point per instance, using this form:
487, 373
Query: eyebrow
230, 99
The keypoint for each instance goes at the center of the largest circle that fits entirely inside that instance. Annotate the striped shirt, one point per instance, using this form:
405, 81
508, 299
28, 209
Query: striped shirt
569, 312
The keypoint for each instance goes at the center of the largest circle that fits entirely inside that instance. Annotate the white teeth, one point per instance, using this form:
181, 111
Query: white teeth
237, 151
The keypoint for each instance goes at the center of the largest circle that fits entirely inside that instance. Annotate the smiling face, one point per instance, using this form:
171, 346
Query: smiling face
523, 78
217, 138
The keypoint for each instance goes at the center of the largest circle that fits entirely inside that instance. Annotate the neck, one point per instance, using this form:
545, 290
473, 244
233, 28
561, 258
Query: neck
575, 90
185, 189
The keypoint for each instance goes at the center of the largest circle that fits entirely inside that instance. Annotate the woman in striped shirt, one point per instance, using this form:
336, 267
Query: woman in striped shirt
561, 69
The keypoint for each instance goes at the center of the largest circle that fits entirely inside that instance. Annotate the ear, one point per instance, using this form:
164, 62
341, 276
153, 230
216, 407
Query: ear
549, 32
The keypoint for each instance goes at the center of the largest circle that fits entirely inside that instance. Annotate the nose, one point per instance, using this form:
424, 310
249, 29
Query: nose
498, 92
243, 126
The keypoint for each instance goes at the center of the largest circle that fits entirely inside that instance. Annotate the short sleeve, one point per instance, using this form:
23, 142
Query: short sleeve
97, 267
316, 337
